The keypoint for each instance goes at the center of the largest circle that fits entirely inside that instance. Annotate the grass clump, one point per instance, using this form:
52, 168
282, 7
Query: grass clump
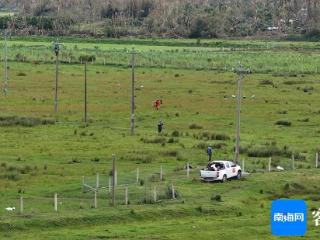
175, 133
141, 158
173, 140
7, 121
284, 123
195, 126
87, 58
213, 136
171, 153
216, 198
282, 112
156, 140
21, 74
266, 82
170, 193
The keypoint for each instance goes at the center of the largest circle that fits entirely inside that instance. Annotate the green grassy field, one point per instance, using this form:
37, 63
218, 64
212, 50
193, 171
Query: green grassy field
40, 160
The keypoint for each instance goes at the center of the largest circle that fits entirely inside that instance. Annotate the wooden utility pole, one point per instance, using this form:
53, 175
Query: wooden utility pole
5, 67
113, 179
133, 53
85, 95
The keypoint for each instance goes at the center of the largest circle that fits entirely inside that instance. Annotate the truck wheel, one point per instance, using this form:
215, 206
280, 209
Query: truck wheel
239, 175
224, 178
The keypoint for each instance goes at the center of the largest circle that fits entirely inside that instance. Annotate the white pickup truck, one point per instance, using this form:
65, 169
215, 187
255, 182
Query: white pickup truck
220, 171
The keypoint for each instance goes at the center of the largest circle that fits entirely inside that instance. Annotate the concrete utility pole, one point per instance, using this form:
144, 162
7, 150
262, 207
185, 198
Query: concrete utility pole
5, 67
56, 51
85, 95
113, 179
133, 53
240, 71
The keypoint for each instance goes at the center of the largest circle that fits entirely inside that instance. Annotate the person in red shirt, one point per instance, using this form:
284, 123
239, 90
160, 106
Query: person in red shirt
157, 104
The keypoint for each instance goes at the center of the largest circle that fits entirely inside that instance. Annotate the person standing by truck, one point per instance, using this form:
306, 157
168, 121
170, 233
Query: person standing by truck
209, 152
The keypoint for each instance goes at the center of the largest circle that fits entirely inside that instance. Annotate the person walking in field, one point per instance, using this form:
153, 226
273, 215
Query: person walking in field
209, 152
157, 104
160, 126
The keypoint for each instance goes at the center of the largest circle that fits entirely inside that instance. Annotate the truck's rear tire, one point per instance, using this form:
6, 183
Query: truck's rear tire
224, 178
239, 175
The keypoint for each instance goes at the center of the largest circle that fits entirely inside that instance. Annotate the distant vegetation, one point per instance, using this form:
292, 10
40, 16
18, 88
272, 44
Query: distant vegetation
188, 18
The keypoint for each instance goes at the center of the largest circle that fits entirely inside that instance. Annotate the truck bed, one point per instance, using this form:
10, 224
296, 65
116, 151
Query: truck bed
206, 174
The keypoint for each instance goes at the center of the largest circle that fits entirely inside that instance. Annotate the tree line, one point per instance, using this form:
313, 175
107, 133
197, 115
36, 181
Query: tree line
164, 18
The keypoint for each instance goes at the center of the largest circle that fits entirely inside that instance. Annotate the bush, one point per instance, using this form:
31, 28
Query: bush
285, 123
214, 136
291, 82
168, 193
157, 140
304, 120
141, 182
26, 169
270, 150
219, 145
155, 177
175, 133
286, 187
21, 74
201, 145
195, 126
20, 57
266, 82
282, 112
216, 198
313, 35
171, 153
139, 158
173, 140
220, 137
13, 175
87, 58
95, 159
